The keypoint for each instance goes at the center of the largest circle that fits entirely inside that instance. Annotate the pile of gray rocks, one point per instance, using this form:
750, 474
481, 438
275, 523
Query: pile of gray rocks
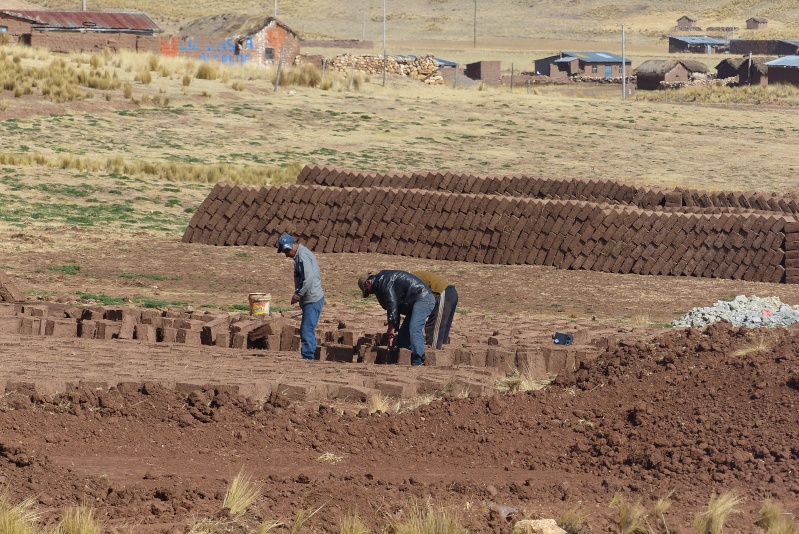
753, 312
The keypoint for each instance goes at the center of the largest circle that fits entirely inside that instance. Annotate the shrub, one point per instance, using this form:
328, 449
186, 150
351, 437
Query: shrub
207, 71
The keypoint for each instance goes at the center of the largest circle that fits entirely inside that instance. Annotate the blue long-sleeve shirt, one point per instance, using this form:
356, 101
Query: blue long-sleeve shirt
307, 277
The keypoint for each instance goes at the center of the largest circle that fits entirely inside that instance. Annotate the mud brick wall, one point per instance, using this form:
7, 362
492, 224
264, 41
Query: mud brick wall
605, 191
567, 234
93, 41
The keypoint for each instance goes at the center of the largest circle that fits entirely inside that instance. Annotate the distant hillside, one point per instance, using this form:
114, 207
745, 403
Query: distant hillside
454, 20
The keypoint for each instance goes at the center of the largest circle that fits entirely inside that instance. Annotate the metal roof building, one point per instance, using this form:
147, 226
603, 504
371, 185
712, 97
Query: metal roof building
131, 22
698, 44
784, 70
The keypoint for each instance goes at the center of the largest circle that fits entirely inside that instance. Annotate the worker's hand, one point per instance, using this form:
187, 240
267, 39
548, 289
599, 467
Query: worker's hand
295, 299
391, 335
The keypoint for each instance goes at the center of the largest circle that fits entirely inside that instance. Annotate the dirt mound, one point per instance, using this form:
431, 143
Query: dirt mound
691, 413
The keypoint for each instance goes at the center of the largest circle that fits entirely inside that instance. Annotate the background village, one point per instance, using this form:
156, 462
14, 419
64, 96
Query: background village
266, 41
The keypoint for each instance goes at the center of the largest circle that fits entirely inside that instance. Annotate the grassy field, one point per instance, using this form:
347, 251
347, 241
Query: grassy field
457, 20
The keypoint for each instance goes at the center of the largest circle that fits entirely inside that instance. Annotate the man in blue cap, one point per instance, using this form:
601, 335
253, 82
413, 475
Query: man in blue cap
307, 291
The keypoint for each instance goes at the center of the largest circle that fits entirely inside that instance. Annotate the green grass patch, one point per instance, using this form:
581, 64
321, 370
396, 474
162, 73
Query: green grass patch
101, 298
129, 276
67, 269
155, 303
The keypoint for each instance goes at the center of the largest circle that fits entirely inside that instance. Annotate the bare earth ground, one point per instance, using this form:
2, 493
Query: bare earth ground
689, 414
681, 414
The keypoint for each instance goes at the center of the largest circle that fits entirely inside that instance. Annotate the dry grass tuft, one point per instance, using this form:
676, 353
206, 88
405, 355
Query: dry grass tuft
573, 520
241, 494
632, 516
80, 520
330, 458
520, 381
423, 518
302, 517
20, 518
761, 344
207, 71
775, 520
383, 404
720, 507
454, 389
352, 524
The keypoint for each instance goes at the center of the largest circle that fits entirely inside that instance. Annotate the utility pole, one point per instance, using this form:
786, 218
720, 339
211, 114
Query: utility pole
475, 25
385, 58
623, 68
275, 8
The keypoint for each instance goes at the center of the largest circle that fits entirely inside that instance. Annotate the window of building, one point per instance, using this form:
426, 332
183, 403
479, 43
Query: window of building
269, 53
3, 29
593, 69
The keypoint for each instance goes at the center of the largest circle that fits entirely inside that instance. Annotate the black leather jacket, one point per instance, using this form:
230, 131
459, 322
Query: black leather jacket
397, 291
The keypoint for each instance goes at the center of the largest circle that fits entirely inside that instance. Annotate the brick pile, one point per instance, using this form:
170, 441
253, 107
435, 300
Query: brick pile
59, 345
417, 68
497, 229
594, 190
484, 346
9, 292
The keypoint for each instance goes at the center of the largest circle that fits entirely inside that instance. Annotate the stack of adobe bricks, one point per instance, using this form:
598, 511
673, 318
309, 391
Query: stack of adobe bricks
532, 351
604, 191
740, 244
9, 292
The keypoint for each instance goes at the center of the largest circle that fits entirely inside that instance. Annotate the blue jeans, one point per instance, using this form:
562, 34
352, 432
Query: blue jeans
310, 317
411, 333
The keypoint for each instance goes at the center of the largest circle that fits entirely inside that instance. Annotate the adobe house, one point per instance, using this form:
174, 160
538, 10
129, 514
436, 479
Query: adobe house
686, 23
235, 39
784, 70
765, 47
80, 31
697, 44
600, 65
753, 71
651, 73
486, 71
756, 23
728, 68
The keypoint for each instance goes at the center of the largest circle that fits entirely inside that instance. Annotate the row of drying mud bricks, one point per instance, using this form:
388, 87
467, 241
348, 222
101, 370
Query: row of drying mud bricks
497, 230
266, 333
607, 191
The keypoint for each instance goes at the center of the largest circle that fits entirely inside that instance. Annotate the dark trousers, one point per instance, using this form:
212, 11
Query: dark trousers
436, 329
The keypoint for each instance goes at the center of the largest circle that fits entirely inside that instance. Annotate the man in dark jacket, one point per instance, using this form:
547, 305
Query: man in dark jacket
401, 293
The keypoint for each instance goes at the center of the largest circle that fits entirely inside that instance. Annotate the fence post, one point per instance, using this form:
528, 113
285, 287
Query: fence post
352, 74
455, 83
324, 64
511, 77
279, 65
528, 87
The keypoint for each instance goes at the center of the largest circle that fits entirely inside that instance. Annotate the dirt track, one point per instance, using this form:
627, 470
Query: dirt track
681, 414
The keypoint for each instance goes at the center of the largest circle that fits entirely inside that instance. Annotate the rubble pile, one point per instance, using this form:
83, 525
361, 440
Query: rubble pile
420, 68
700, 82
746, 311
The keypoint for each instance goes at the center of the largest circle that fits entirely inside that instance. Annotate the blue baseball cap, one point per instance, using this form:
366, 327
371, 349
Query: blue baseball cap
284, 243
